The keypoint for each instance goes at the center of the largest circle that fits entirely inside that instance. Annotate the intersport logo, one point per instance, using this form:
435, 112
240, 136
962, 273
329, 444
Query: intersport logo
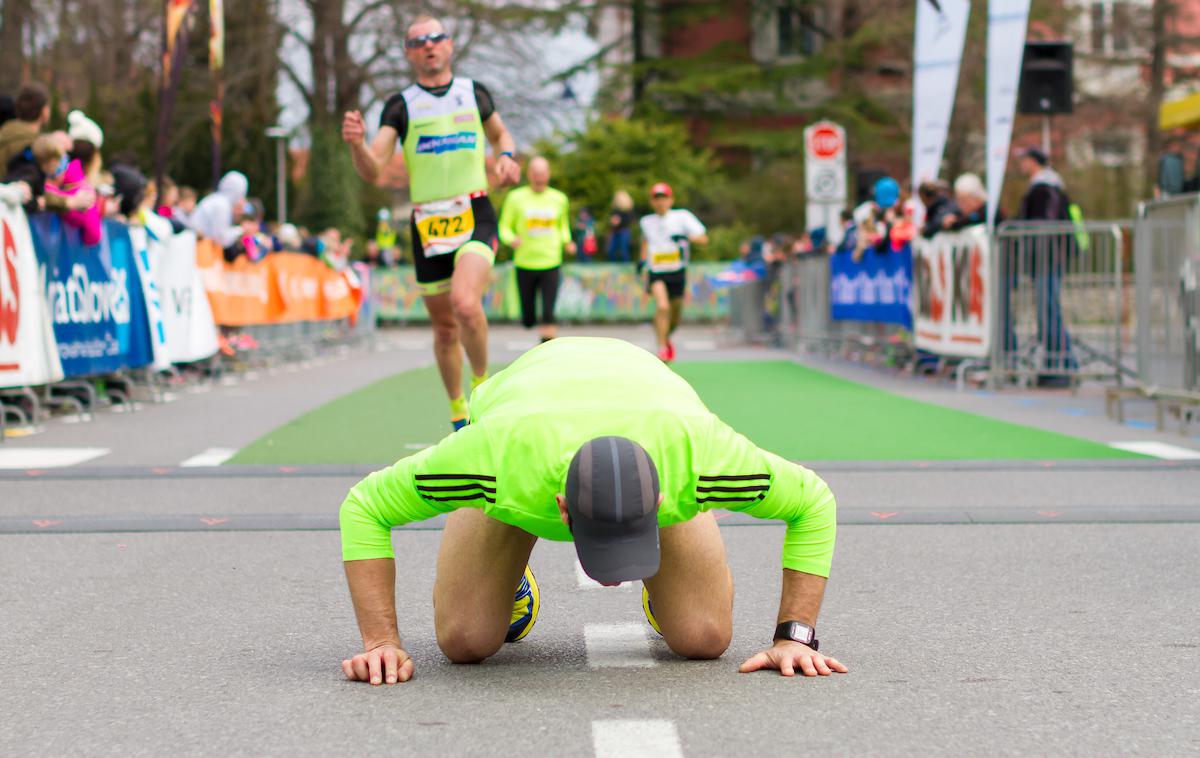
445, 143
10, 289
79, 300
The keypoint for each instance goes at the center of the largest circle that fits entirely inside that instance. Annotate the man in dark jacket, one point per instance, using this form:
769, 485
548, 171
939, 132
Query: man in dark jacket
1046, 256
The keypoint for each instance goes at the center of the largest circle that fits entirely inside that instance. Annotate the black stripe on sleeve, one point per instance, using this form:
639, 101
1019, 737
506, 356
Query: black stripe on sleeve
474, 496
444, 477
752, 488
735, 478
476, 486
715, 499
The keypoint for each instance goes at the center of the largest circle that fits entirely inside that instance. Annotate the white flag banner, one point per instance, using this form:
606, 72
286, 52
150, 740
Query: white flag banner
187, 316
941, 32
28, 350
1007, 20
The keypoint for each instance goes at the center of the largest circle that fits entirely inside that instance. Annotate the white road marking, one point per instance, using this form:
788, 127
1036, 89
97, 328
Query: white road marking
588, 583
520, 345
214, 456
1158, 450
617, 646
413, 344
699, 344
48, 457
636, 739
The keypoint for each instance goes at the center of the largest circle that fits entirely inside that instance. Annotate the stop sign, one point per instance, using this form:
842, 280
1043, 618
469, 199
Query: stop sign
825, 141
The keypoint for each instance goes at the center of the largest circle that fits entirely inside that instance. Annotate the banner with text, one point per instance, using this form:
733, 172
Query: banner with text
876, 289
1007, 20
940, 32
952, 294
282, 287
594, 292
27, 350
94, 296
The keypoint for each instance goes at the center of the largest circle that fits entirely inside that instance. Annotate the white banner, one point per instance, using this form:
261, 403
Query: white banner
952, 308
28, 351
146, 252
825, 178
1007, 21
941, 31
187, 316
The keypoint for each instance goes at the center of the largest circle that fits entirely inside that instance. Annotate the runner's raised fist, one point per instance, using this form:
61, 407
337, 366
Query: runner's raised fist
354, 129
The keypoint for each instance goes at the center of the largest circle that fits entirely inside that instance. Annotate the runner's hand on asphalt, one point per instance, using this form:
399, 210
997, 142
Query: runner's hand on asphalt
787, 656
384, 664
354, 129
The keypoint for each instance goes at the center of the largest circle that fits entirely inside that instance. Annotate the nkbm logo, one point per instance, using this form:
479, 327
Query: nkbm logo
445, 143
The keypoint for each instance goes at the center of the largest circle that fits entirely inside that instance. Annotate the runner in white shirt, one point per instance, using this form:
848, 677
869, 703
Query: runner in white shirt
667, 238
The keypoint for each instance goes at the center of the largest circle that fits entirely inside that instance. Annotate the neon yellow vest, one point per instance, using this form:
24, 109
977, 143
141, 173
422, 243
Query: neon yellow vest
444, 148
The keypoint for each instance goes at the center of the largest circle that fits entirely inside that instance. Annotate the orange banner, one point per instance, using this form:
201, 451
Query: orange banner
281, 287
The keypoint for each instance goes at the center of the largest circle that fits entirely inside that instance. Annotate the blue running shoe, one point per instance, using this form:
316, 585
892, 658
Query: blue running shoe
458, 423
526, 603
649, 610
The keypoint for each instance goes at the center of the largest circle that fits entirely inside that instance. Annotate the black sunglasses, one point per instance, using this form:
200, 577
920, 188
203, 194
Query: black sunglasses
412, 43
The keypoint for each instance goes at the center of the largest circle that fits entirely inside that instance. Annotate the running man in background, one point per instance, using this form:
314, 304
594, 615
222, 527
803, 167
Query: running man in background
667, 238
594, 441
442, 123
534, 223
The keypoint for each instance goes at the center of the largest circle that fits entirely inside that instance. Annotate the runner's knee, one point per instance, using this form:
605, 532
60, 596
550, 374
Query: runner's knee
465, 642
700, 638
468, 310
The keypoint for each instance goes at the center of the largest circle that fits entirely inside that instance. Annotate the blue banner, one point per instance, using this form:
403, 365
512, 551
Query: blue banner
876, 289
95, 297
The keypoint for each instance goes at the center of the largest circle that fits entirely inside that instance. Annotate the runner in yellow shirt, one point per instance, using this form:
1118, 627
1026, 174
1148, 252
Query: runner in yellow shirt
442, 123
534, 223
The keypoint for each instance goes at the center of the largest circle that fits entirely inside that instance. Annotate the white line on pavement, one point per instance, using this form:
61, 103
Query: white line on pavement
1158, 450
48, 457
617, 646
699, 344
588, 583
636, 739
214, 456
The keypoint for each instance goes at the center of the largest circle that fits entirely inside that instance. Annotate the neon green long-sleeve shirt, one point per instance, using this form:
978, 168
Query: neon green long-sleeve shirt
539, 220
528, 421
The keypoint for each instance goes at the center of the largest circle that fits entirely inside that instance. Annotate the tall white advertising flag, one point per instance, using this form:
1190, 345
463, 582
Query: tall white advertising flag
941, 32
1007, 20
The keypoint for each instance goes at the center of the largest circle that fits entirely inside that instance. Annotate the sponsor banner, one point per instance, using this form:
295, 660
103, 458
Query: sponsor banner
283, 287
28, 354
952, 306
940, 33
1007, 20
187, 318
587, 293
94, 296
878, 288
147, 251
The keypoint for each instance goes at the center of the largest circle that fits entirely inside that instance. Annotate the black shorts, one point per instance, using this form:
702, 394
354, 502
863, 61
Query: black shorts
529, 283
441, 267
676, 282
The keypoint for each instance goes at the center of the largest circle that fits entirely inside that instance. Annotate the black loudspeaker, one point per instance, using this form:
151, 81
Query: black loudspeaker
864, 183
1047, 84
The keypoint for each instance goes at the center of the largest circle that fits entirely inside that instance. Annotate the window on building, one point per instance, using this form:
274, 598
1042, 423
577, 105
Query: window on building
797, 31
1112, 25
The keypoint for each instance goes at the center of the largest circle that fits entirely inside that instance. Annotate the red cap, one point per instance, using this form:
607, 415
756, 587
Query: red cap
662, 188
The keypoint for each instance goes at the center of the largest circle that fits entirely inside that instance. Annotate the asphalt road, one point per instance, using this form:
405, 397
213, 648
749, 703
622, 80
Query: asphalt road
1016, 608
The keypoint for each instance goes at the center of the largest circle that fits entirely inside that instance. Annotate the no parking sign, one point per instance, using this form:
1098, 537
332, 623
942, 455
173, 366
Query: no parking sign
825, 177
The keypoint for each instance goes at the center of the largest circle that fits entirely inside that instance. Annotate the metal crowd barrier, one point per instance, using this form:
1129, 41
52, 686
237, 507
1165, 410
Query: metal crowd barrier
1061, 295
1167, 265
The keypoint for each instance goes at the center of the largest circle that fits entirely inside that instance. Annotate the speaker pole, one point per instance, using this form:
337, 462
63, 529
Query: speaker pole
1046, 135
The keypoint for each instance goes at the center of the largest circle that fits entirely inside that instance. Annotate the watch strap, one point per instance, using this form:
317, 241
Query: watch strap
797, 631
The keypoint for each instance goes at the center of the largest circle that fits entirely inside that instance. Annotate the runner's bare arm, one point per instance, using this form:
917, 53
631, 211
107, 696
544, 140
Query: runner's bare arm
373, 589
800, 601
369, 159
507, 170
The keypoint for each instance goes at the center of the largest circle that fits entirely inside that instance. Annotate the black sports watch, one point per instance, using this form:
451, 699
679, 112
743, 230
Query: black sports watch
797, 632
